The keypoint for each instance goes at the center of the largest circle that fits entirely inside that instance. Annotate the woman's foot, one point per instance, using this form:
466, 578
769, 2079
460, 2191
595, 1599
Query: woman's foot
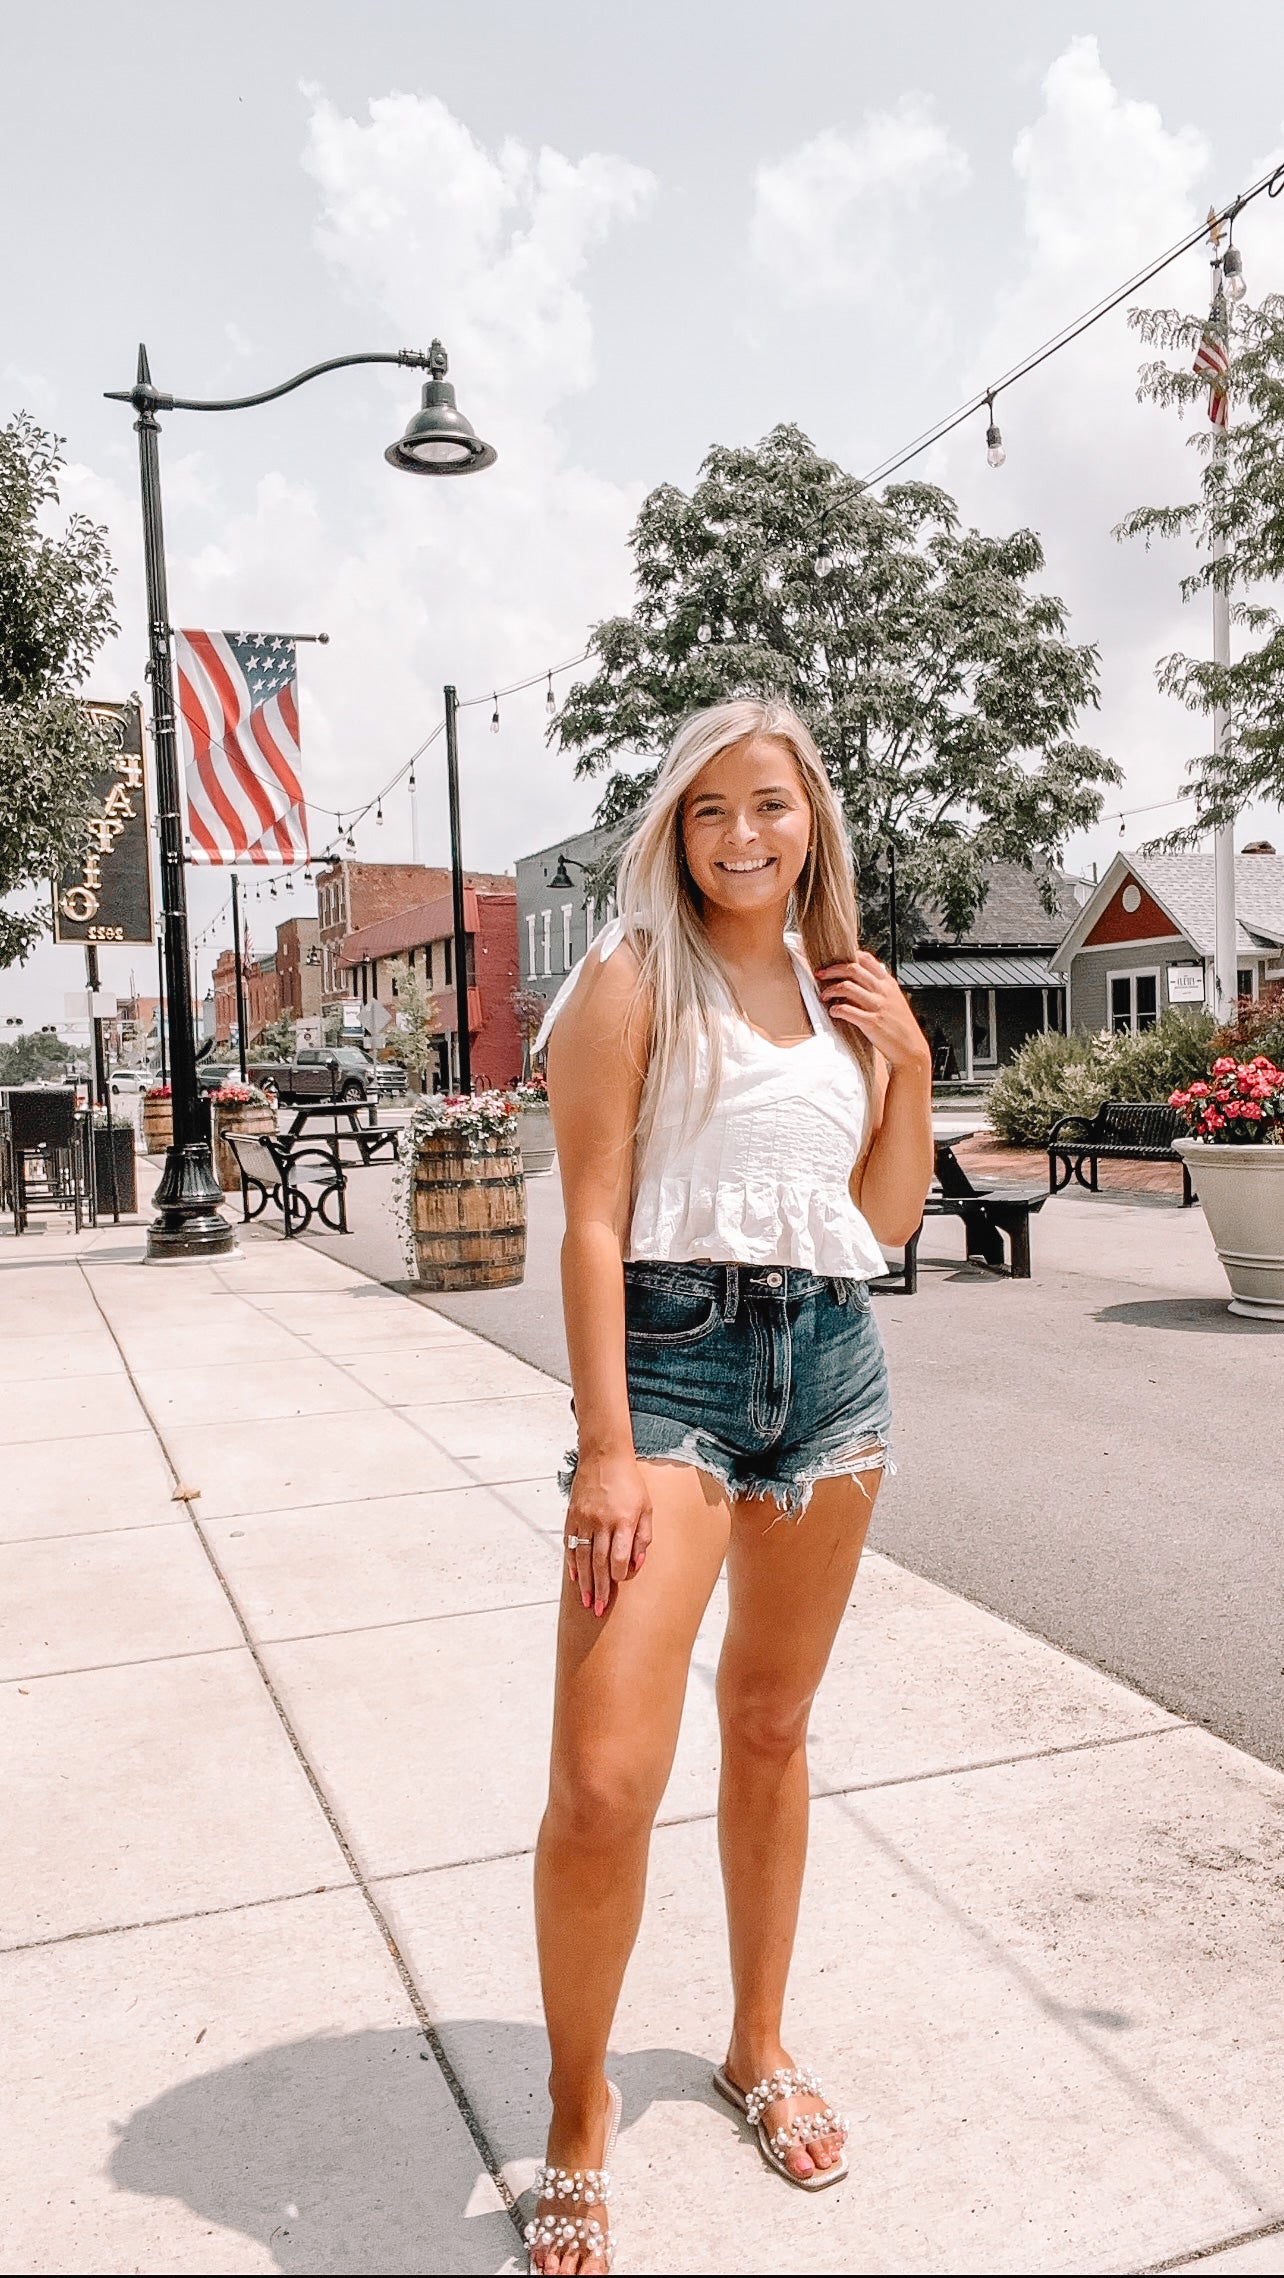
577, 2186
746, 2065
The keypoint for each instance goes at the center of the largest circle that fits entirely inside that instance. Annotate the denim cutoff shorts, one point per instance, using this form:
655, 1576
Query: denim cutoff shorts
767, 1377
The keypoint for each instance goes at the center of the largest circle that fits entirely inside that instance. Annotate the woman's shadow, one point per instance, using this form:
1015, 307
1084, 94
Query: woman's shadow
345, 2152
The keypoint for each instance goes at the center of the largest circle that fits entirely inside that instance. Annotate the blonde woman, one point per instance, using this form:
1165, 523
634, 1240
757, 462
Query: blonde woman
742, 1104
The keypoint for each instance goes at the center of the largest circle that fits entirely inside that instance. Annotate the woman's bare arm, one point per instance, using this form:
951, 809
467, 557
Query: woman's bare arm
596, 1062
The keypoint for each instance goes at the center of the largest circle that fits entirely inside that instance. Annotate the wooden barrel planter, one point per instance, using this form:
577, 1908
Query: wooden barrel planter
158, 1125
238, 1115
468, 1213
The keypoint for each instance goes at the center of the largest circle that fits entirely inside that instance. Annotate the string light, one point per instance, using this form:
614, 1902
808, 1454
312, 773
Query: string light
350, 843
994, 450
550, 701
494, 719
824, 559
1233, 274
379, 809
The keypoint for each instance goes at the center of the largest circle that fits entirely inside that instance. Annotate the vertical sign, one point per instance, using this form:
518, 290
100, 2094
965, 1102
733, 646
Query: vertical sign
107, 894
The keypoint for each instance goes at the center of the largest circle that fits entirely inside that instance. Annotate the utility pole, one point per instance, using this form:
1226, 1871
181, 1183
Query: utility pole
462, 1041
240, 976
1225, 925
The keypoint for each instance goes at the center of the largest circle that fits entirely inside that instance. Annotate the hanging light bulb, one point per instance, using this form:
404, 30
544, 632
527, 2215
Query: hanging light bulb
1233, 274
307, 875
824, 559
550, 701
379, 809
411, 785
494, 719
289, 881
272, 889
350, 843
994, 450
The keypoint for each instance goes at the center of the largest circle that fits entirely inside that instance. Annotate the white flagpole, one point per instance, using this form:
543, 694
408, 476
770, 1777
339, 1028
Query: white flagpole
1225, 927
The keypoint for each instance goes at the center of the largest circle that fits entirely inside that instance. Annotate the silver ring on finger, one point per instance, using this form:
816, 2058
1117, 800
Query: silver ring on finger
579, 1542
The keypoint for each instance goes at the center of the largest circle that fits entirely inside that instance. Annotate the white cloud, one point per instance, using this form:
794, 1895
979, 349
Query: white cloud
824, 217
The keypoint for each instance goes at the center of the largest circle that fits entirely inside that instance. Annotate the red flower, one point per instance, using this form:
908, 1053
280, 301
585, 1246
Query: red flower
1199, 1090
1223, 1067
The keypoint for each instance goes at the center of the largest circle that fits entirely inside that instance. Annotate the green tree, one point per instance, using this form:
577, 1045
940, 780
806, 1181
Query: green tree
1237, 521
418, 1023
529, 1008
932, 670
33, 1058
55, 613
275, 1041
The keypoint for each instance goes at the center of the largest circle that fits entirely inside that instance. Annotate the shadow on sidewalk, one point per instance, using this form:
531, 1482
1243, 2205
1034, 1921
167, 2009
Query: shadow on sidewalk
326, 2150
1201, 1313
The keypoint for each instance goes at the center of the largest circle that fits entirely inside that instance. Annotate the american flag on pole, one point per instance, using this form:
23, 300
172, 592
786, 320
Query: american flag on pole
238, 708
1212, 359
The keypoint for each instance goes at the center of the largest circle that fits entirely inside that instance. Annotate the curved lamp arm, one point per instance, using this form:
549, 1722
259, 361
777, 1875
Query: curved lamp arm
145, 397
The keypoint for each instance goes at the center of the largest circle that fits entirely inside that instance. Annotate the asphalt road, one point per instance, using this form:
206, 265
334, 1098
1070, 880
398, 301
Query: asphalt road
1090, 1453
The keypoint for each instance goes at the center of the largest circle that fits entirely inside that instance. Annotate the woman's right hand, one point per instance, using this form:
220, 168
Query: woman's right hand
609, 1521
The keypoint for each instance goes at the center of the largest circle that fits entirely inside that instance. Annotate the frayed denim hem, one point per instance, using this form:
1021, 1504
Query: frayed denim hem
792, 1496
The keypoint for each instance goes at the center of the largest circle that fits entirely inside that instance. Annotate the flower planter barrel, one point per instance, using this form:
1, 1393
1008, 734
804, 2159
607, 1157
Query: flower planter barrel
1242, 1192
535, 1138
158, 1125
468, 1213
238, 1115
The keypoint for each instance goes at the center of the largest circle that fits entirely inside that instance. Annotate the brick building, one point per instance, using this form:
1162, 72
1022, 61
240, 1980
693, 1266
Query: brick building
298, 966
424, 937
287, 981
351, 895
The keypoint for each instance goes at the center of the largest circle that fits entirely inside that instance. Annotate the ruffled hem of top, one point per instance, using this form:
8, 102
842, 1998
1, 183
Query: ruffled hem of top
755, 1225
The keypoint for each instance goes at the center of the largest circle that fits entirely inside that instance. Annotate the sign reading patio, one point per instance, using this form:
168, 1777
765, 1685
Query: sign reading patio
107, 895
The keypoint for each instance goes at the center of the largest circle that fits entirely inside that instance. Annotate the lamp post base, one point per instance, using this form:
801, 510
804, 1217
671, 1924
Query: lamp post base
188, 1221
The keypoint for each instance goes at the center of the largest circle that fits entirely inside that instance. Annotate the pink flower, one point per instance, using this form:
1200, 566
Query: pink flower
1223, 1067
1199, 1090
1213, 1121
1252, 1113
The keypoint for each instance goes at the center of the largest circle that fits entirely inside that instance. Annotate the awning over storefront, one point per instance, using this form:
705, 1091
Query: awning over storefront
979, 973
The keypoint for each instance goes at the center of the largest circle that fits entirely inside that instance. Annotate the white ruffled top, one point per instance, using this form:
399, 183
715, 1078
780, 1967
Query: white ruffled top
765, 1179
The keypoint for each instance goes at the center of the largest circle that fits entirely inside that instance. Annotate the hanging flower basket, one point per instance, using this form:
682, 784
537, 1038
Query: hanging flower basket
238, 1107
463, 1193
1236, 1161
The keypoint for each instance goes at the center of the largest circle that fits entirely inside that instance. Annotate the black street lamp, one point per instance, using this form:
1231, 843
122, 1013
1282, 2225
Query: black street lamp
437, 441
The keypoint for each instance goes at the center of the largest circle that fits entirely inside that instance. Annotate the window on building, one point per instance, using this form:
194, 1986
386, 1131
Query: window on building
983, 1027
566, 936
1245, 982
530, 946
447, 963
590, 922
1133, 1001
546, 943
470, 958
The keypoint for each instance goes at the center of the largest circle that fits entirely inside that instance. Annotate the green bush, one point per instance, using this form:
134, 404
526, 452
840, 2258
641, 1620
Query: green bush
1056, 1075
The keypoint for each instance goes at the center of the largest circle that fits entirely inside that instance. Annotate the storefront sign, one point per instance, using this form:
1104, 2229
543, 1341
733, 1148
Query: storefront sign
1185, 984
107, 895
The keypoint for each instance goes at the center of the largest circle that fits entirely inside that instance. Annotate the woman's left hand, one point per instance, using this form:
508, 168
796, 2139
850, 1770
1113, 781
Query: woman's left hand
863, 992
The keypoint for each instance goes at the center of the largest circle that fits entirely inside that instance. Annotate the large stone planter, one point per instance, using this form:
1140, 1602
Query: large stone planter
468, 1213
535, 1138
238, 1115
1242, 1192
158, 1125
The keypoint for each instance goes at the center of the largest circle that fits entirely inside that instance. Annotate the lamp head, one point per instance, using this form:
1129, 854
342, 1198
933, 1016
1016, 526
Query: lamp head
561, 876
439, 440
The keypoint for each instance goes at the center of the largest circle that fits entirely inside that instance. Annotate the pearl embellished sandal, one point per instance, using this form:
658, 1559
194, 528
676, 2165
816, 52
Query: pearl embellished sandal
577, 2187
804, 2128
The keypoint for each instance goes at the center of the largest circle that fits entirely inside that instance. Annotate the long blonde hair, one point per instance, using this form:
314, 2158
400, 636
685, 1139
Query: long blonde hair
680, 974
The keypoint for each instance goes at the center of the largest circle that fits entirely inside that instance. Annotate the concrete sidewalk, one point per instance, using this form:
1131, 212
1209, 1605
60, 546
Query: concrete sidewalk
275, 1754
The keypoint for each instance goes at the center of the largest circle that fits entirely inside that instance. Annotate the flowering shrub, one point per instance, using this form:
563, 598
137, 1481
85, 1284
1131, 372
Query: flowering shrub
240, 1095
471, 1117
157, 1091
532, 1092
1241, 1103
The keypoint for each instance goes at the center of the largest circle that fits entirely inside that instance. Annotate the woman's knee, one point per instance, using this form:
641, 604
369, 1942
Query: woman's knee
763, 1722
599, 1798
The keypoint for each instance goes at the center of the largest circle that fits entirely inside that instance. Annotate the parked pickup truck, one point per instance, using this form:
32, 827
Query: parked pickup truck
336, 1073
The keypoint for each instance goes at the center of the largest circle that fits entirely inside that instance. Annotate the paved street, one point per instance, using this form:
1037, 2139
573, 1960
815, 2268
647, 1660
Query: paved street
275, 1752
1053, 1436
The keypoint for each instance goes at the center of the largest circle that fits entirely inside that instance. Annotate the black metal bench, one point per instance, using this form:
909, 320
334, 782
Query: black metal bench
988, 1214
272, 1170
1121, 1131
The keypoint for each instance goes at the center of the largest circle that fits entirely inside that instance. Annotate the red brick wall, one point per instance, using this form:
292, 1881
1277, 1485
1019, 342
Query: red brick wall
374, 890
224, 979
497, 1046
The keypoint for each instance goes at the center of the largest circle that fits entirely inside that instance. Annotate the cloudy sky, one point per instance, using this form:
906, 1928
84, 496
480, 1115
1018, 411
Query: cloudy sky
638, 232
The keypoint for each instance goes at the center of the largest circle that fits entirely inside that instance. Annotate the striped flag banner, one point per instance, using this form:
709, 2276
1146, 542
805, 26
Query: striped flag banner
238, 710
1212, 359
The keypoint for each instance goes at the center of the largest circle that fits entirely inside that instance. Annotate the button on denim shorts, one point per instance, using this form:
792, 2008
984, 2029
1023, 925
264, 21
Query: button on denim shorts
767, 1377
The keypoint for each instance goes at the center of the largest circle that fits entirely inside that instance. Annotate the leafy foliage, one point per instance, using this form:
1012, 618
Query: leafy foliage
410, 1039
31, 1059
1257, 1027
275, 1040
1056, 1075
1237, 521
55, 613
934, 674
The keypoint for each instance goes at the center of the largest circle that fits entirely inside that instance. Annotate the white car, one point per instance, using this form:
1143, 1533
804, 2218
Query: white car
130, 1081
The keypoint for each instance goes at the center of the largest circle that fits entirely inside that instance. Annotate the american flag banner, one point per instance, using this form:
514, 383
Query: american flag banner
1212, 359
238, 710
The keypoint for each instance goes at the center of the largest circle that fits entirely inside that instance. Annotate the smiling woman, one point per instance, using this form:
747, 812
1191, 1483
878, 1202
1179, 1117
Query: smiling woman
742, 1102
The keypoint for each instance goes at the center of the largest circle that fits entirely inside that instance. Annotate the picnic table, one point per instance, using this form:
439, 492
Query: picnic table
370, 1139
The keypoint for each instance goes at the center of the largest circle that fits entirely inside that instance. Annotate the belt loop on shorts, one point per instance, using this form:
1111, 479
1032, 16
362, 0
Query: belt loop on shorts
731, 1293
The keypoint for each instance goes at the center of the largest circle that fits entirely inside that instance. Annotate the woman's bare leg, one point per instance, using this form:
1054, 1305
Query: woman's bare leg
789, 1587
621, 1681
